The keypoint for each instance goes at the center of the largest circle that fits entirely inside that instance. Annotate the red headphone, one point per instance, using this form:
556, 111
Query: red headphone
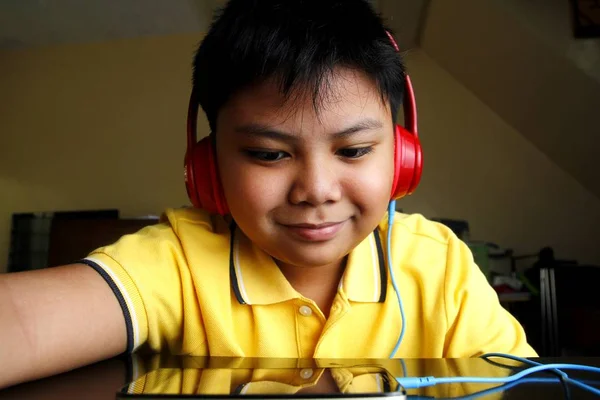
202, 176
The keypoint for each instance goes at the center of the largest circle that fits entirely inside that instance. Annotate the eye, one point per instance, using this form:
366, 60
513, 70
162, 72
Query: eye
355, 152
267, 156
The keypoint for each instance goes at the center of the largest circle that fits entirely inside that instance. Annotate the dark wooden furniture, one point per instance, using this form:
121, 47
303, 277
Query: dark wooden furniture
73, 239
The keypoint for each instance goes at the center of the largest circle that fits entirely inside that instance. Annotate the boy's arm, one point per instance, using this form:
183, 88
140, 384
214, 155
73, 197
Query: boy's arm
56, 319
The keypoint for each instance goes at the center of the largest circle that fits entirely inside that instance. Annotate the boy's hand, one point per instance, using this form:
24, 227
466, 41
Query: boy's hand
56, 319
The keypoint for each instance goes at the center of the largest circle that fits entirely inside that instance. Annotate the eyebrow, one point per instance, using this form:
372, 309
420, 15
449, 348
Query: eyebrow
265, 131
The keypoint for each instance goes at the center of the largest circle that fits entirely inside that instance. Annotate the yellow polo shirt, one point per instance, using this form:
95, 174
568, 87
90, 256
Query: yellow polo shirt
185, 290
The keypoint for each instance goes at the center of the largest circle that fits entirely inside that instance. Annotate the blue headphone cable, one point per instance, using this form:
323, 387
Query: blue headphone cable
391, 213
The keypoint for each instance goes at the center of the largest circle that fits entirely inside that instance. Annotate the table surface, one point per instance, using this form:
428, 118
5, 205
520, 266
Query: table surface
103, 380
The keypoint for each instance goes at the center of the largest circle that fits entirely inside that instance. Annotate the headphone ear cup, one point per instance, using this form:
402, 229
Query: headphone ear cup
408, 163
202, 178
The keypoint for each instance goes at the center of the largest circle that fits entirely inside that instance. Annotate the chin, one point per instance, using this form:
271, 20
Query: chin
312, 255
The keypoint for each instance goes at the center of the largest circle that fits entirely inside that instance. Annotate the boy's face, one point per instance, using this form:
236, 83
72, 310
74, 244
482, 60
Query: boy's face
307, 186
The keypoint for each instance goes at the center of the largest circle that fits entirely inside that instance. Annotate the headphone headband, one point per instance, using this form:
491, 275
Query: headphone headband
409, 104
192, 120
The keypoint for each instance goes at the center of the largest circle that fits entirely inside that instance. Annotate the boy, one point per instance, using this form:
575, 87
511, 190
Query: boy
301, 98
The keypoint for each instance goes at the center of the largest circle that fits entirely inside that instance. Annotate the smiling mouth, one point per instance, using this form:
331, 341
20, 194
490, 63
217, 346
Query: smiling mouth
315, 232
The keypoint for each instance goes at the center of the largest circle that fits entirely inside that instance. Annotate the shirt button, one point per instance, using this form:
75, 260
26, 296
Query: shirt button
306, 311
306, 373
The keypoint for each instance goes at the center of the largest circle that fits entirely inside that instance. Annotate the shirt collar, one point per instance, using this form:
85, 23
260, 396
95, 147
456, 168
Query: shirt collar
257, 280
365, 278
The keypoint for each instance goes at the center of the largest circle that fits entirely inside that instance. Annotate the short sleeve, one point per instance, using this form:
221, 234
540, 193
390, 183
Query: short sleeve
477, 322
144, 272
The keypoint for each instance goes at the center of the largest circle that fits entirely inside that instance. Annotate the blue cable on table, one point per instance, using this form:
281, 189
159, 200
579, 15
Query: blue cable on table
501, 388
496, 389
418, 382
564, 378
562, 374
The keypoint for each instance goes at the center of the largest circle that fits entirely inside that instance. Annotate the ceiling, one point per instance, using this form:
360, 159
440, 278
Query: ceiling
27, 23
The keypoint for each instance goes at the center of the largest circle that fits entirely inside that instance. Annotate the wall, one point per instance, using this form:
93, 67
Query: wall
94, 126
103, 126
479, 168
496, 52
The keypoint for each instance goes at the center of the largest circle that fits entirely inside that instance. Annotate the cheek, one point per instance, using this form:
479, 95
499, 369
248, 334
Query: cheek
250, 189
370, 186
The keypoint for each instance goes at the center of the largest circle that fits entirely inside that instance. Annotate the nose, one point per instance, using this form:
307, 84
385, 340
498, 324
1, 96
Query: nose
316, 182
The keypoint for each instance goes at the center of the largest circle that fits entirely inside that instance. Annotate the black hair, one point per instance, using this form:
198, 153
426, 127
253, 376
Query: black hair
297, 42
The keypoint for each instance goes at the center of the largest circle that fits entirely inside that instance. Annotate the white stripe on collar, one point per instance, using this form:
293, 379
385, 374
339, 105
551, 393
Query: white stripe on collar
238, 270
375, 264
